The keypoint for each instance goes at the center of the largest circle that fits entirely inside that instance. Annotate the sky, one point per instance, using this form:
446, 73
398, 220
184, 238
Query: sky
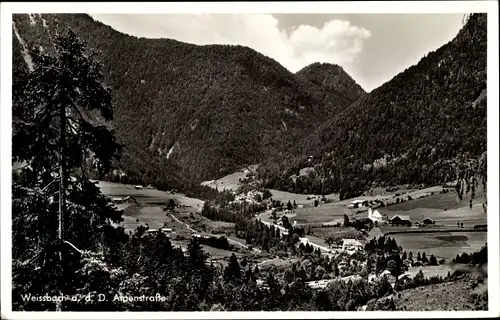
372, 48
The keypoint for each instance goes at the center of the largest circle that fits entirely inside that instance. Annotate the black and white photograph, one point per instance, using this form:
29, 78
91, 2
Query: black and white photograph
249, 160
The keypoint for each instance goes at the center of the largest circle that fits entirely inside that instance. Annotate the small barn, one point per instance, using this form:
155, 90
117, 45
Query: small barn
428, 221
117, 200
355, 204
400, 220
405, 277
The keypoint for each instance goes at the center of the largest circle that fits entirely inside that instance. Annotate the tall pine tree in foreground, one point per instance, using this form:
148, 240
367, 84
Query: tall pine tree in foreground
57, 212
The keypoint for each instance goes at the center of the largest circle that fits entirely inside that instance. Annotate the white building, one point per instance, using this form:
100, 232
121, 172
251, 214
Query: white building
355, 203
320, 284
375, 216
351, 244
351, 278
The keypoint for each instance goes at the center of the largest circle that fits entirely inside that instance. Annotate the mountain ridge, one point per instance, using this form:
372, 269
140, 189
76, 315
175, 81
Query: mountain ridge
212, 109
407, 131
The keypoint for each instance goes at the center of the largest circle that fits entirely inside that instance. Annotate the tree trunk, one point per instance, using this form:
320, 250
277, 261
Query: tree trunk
62, 186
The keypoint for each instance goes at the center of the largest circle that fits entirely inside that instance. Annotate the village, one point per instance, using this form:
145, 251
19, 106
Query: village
351, 225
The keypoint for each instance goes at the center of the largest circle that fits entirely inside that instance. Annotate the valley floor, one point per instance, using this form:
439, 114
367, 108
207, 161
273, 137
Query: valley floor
187, 221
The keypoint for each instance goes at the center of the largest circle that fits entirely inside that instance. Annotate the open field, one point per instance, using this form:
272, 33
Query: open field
443, 245
154, 216
150, 211
231, 181
431, 271
324, 213
202, 224
432, 206
215, 253
469, 217
391, 196
437, 201
148, 196
340, 232
284, 196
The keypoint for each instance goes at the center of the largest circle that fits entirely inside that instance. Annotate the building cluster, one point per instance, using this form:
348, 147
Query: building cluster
122, 200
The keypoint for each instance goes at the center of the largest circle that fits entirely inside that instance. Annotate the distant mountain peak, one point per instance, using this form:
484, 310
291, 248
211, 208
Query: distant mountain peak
332, 77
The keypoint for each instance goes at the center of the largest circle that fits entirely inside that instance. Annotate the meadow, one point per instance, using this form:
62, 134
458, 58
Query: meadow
444, 245
231, 181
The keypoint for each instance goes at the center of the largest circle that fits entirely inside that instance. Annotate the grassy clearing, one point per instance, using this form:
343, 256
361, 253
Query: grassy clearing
469, 217
443, 245
432, 206
334, 212
231, 181
202, 224
324, 213
437, 201
300, 199
148, 196
153, 216
341, 232
431, 271
215, 253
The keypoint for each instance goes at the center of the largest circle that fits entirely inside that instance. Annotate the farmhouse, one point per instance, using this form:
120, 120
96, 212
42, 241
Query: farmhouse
120, 200
386, 273
400, 220
320, 284
168, 231
407, 263
375, 216
355, 204
354, 277
427, 221
117, 200
351, 244
405, 277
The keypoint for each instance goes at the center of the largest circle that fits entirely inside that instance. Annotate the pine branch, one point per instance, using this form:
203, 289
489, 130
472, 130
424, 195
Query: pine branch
21, 167
45, 188
76, 131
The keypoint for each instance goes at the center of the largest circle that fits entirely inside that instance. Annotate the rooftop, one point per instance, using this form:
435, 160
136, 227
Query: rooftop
404, 218
357, 201
351, 242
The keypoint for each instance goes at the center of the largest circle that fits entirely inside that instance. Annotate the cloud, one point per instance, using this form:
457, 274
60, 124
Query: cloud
337, 41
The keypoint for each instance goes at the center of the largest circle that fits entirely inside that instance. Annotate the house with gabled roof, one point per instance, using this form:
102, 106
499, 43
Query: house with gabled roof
400, 220
428, 221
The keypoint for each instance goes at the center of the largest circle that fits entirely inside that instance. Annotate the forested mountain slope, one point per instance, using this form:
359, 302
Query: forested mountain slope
188, 111
333, 79
405, 131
